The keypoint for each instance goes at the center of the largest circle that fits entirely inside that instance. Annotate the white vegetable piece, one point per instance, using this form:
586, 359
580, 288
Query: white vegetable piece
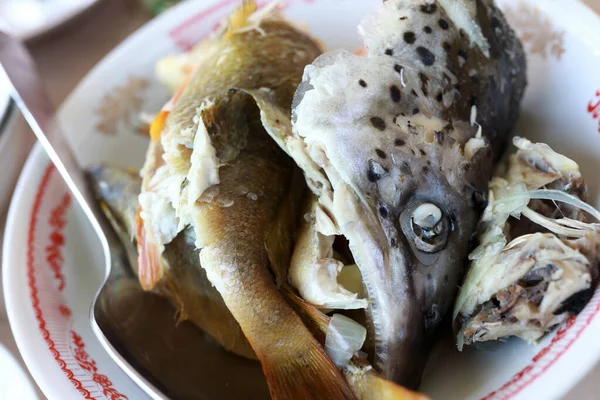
344, 338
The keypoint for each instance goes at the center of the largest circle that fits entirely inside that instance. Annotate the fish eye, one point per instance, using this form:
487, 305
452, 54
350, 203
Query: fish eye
425, 225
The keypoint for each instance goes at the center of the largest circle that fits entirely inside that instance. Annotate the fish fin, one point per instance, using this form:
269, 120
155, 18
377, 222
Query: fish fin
313, 318
150, 268
172, 294
369, 385
239, 18
304, 372
278, 245
280, 242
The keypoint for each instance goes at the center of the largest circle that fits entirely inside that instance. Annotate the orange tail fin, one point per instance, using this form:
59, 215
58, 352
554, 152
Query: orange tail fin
306, 372
150, 268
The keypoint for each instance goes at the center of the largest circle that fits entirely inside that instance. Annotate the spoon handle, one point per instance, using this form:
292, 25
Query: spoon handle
20, 72
18, 68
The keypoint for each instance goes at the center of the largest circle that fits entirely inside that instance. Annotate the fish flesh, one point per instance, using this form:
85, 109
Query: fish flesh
398, 148
185, 283
215, 169
537, 261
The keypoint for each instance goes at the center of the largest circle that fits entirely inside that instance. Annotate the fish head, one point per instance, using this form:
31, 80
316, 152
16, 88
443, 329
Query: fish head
425, 239
407, 199
392, 145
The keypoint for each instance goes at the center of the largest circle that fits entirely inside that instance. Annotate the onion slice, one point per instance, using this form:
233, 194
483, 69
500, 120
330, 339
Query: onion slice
344, 338
556, 195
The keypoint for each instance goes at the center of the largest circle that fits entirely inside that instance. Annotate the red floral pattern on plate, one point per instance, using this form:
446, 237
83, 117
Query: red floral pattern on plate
51, 312
594, 108
85, 362
57, 240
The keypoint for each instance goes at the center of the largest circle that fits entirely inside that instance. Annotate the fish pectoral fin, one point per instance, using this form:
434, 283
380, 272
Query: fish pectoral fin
150, 266
313, 318
280, 240
169, 290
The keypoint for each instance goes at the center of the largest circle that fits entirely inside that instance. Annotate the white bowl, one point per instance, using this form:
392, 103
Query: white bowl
52, 263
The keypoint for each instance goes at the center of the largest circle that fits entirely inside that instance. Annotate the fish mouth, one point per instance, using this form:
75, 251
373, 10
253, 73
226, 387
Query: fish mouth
405, 319
410, 285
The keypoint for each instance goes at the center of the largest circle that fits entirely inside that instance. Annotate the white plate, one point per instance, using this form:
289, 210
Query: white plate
14, 381
52, 263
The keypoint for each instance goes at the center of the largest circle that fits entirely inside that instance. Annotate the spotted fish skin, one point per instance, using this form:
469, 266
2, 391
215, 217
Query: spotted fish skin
418, 121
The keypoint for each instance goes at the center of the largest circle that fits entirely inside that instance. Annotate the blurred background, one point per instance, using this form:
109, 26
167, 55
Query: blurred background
67, 38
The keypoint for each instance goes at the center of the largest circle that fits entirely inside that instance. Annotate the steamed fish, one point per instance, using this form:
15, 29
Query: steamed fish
537, 262
117, 191
364, 380
186, 285
214, 169
398, 147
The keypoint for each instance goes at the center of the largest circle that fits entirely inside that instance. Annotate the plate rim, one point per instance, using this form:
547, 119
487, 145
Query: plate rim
584, 14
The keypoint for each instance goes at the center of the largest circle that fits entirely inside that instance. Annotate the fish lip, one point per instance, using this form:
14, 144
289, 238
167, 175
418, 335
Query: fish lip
410, 293
394, 314
396, 319
403, 323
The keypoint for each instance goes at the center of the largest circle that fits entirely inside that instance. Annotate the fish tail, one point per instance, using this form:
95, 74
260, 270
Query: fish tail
303, 371
150, 268
369, 385
239, 17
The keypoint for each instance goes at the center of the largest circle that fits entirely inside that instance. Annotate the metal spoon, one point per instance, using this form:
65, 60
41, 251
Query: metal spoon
18, 69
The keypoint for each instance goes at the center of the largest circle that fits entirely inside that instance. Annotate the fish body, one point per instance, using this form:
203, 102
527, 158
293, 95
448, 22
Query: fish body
185, 284
398, 148
216, 170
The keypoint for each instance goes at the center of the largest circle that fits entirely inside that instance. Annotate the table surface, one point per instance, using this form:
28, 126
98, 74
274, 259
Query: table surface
66, 55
